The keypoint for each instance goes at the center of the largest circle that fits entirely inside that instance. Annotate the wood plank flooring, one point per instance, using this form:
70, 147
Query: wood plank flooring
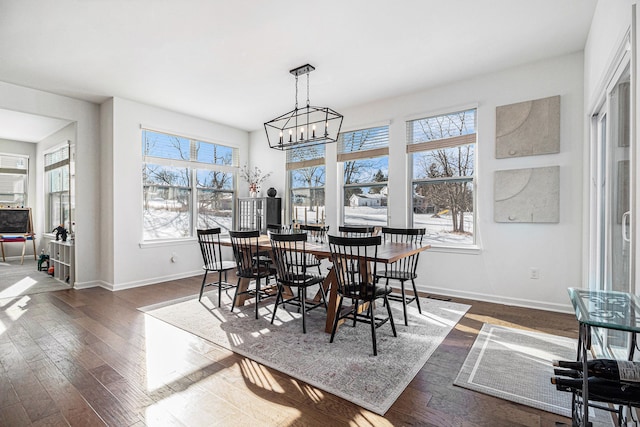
90, 358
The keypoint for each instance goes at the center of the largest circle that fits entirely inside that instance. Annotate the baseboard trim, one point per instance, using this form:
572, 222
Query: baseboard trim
497, 299
150, 281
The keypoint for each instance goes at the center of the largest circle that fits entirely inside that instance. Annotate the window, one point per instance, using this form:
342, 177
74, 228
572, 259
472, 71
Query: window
442, 150
181, 173
13, 180
365, 157
306, 170
57, 196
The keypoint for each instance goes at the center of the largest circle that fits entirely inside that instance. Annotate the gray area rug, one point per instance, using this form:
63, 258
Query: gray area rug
17, 280
514, 364
346, 367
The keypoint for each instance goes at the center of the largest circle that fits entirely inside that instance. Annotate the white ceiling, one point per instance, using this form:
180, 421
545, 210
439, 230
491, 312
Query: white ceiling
229, 61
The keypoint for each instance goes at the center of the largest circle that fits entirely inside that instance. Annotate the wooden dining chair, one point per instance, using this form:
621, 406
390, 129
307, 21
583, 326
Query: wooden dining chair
209, 241
290, 256
357, 230
355, 269
250, 265
316, 234
404, 269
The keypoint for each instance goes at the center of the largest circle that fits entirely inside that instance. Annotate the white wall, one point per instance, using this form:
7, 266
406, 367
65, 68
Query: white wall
499, 270
85, 114
134, 263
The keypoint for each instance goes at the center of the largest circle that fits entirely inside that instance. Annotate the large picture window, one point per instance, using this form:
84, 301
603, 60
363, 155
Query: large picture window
13, 180
187, 184
442, 150
365, 157
306, 172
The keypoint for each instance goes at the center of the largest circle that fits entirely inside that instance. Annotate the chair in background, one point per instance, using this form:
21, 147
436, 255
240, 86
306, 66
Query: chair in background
250, 266
316, 234
278, 228
355, 269
210, 247
357, 230
405, 268
289, 256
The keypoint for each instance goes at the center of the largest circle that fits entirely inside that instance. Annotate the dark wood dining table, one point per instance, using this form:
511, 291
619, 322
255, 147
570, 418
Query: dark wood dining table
388, 253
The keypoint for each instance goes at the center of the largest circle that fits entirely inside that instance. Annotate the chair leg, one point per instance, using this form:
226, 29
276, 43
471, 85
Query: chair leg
235, 295
415, 293
373, 328
302, 295
204, 280
219, 289
335, 320
404, 303
278, 298
393, 325
258, 294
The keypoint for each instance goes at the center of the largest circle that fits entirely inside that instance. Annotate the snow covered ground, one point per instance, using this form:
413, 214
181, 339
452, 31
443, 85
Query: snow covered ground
166, 224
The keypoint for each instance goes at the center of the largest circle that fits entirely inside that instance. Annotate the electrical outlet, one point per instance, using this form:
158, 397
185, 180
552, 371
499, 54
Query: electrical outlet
534, 273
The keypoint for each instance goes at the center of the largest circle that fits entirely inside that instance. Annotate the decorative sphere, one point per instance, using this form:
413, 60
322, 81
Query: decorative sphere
271, 192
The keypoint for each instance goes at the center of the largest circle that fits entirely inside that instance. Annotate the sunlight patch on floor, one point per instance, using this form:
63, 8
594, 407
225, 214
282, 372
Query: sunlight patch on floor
17, 288
18, 308
167, 350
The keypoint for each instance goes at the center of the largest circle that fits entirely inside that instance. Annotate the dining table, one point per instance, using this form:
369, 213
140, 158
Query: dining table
388, 252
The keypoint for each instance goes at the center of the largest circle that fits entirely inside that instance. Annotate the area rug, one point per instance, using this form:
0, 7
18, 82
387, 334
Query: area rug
516, 365
24, 279
346, 367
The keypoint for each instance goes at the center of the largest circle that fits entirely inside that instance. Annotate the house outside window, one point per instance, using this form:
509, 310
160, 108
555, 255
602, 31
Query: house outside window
364, 155
14, 171
187, 184
442, 150
306, 175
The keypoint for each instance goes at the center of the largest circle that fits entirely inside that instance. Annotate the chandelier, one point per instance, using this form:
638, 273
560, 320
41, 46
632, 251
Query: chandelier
303, 127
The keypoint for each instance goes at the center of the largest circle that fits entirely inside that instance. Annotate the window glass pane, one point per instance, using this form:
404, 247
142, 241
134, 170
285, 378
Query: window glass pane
365, 205
447, 162
444, 126
307, 205
166, 212
305, 153
214, 180
308, 177
366, 170
215, 209
58, 210
59, 179
12, 189
212, 153
165, 146
446, 210
165, 175
364, 139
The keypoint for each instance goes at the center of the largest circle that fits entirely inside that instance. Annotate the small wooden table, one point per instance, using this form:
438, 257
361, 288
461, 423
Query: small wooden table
387, 254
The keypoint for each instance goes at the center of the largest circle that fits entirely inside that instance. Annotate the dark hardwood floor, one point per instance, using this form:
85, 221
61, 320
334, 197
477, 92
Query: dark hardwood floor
89, 357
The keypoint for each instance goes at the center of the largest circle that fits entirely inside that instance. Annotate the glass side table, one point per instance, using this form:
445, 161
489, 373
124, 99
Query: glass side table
601, 309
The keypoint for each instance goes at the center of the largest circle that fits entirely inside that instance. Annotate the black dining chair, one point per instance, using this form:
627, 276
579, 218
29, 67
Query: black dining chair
357, 230
317, 234
404, 269
250, 265
355, 268
289, 256
209, 241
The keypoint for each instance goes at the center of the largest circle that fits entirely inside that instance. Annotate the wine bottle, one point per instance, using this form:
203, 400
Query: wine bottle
611, 369
571, 373
602, 390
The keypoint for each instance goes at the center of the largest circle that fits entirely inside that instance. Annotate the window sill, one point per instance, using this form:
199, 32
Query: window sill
468, 250
164, 243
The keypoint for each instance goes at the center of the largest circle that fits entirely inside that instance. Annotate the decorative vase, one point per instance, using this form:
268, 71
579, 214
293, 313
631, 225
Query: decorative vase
253, 190
271, 192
